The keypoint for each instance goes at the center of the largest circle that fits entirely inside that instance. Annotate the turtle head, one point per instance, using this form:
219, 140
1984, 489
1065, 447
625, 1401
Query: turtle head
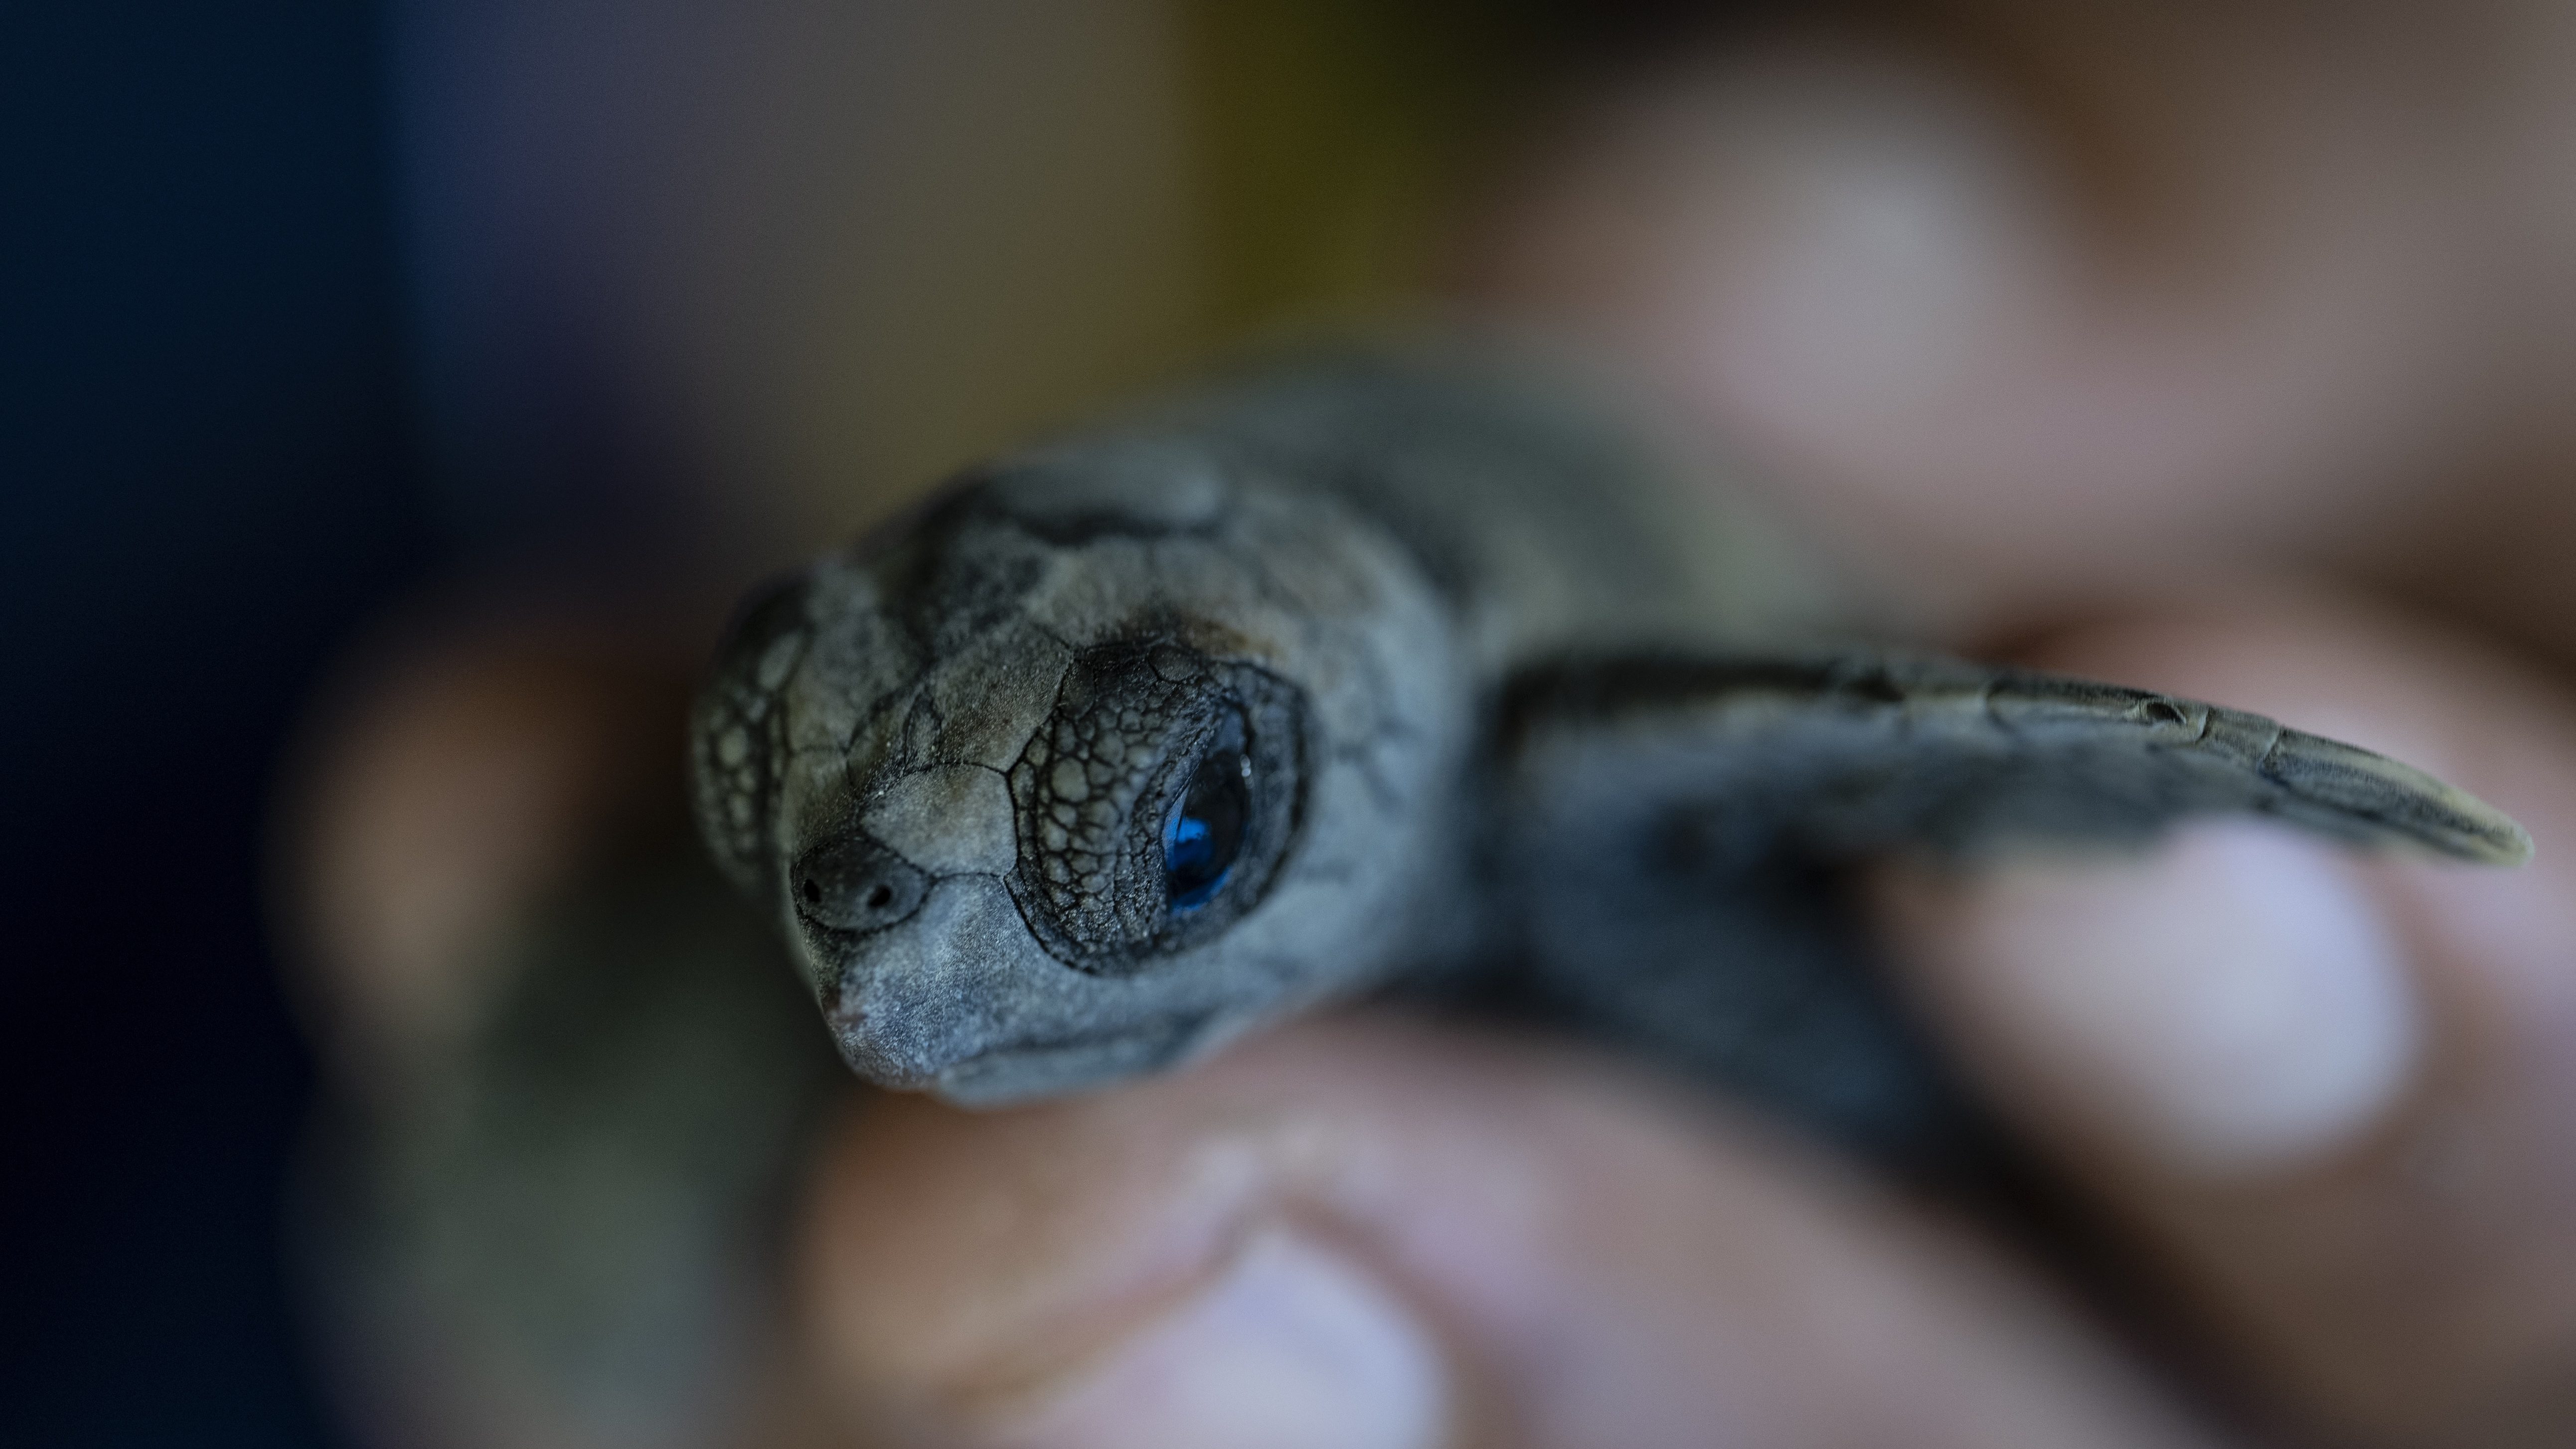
1103, 756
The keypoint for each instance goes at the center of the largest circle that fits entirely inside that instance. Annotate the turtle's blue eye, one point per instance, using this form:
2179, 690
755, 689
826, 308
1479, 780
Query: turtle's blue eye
1204, 832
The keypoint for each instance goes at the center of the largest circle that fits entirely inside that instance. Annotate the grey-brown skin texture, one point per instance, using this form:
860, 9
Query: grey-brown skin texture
1497, 705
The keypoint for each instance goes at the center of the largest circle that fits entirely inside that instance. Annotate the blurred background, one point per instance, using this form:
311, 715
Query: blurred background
398, 394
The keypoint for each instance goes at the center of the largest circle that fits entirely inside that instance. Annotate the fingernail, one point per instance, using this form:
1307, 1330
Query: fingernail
1293, 1347
2231, 1004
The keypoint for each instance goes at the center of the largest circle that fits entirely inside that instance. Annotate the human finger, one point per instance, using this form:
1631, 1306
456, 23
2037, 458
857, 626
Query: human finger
2033, 305
438, 791
1380, 1234
2337, 1095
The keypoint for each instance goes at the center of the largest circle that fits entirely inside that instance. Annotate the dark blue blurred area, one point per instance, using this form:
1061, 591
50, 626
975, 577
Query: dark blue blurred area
206, 484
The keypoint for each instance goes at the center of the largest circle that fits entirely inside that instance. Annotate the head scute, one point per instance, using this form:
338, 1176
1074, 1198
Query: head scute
1129, 485
738, 728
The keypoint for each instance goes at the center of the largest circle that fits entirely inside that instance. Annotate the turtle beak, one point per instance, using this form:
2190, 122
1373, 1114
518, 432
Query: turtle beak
959, 999
912, 1000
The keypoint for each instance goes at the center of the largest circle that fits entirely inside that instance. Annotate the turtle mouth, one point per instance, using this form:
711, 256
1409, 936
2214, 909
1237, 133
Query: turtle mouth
960, 1001
1025, 1071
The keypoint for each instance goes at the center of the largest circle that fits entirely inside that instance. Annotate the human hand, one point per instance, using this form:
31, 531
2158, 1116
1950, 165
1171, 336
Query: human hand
2323, 1102
2326, 1101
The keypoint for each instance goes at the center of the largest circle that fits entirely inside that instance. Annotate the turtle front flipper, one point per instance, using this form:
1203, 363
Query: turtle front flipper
1675, 832
1839, 755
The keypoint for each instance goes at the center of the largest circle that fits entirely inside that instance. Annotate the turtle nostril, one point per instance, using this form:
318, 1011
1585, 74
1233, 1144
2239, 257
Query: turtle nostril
856, 884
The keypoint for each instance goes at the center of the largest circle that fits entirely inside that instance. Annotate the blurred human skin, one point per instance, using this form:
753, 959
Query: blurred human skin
2222, 352
2043, 309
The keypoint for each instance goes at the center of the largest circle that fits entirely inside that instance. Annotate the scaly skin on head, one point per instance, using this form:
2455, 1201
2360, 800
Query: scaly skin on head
951, 762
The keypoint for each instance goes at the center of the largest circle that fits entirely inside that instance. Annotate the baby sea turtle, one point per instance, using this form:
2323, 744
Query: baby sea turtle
1355, 675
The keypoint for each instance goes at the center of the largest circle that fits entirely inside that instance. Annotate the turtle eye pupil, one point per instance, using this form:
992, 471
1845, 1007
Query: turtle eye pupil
1204, 832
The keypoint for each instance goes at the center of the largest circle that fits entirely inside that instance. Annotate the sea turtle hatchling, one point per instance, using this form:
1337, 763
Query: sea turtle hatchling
1357, 674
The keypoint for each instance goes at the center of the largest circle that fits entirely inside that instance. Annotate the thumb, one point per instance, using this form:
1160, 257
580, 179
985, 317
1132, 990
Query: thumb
1379, 1235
